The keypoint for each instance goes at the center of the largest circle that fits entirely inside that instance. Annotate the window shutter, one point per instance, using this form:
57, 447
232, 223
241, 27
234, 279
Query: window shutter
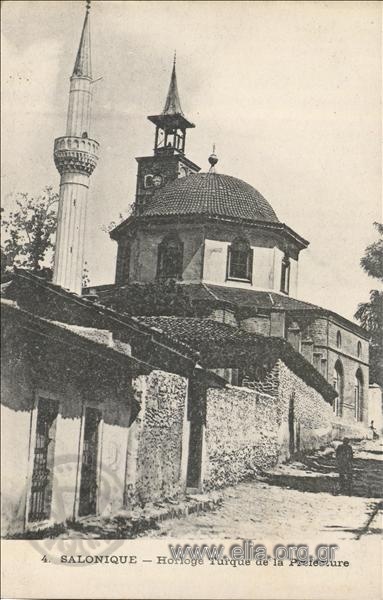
250, 259
228, 264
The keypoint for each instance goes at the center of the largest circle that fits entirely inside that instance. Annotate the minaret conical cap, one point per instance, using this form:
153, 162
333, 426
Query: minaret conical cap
83, 64
173, 103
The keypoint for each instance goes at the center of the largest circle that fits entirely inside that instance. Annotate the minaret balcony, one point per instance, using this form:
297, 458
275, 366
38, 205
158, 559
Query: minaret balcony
76, 154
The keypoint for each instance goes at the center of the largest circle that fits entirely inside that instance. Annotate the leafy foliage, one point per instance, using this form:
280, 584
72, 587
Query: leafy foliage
29, 235
121, 217
372, 261
166, 298
29, 231
370, 314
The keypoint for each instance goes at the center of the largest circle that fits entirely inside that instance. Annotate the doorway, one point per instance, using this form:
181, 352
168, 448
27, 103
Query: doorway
294, 429
43, 462
89, 470
193, 478
196, 417
291, 426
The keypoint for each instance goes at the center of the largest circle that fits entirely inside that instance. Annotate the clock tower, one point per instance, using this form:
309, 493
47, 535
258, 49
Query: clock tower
168, 161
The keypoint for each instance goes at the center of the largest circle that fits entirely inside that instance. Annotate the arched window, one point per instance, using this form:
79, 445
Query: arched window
170, 258
359, 395
240, 260
123, 262
148, 181
285, 274
338, 383
338, 339
359, 349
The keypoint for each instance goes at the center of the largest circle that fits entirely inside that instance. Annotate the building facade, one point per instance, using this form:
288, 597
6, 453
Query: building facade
103, 410
220, 239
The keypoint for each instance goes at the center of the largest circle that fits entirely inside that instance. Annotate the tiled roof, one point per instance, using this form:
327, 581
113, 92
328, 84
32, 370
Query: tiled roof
248, 301
248, 298
244, 302
211, 194
196, 332
222, 345
91, 337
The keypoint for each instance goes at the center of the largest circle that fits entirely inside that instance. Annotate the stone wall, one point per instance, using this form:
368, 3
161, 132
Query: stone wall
259, 324
323, 332
312, 415
268, 383
155, 464
248, 430
241, 435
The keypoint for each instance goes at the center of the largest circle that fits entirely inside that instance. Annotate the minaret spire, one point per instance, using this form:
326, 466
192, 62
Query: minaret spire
83, 63
75, 157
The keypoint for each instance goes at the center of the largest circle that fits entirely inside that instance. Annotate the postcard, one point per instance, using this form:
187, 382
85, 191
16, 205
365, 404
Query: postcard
191, 299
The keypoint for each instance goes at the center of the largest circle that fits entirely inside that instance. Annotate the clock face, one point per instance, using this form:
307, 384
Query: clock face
182, 172
157, 180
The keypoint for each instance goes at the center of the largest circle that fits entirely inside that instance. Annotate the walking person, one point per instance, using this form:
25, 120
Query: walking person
374, 433
344, 458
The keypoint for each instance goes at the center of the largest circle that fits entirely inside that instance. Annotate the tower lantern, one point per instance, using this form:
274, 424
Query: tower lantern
171, 124
168, 161
75, 156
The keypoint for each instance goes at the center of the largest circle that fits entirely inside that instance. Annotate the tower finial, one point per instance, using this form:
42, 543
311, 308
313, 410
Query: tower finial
175, 58
213, 159
88, 5
173, 104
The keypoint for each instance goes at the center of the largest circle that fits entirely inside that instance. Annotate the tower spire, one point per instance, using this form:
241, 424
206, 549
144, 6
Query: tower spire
173, 103
83, 63
171, 124
168, 161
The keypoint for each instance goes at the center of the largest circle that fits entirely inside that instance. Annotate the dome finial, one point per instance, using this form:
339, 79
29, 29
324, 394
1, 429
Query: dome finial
213, 159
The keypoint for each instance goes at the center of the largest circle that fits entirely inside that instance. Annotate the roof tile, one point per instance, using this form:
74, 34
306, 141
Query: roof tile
211, 194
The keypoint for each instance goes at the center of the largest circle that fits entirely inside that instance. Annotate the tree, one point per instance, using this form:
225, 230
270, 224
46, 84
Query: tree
372, 261
161, 298
29, 234
370, 314
121, 217
29, 231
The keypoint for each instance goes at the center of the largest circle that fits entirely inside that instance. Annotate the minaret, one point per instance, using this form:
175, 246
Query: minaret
75, 157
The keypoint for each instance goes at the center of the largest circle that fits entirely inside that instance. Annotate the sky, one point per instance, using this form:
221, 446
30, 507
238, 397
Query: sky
290, 93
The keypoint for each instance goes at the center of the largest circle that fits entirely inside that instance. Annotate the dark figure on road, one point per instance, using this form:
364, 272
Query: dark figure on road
344, 456
373, 431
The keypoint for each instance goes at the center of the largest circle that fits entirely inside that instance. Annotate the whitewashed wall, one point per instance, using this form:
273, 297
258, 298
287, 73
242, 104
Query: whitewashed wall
266, 268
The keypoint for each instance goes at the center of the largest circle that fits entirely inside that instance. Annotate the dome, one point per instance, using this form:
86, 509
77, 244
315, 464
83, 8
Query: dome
210, 194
